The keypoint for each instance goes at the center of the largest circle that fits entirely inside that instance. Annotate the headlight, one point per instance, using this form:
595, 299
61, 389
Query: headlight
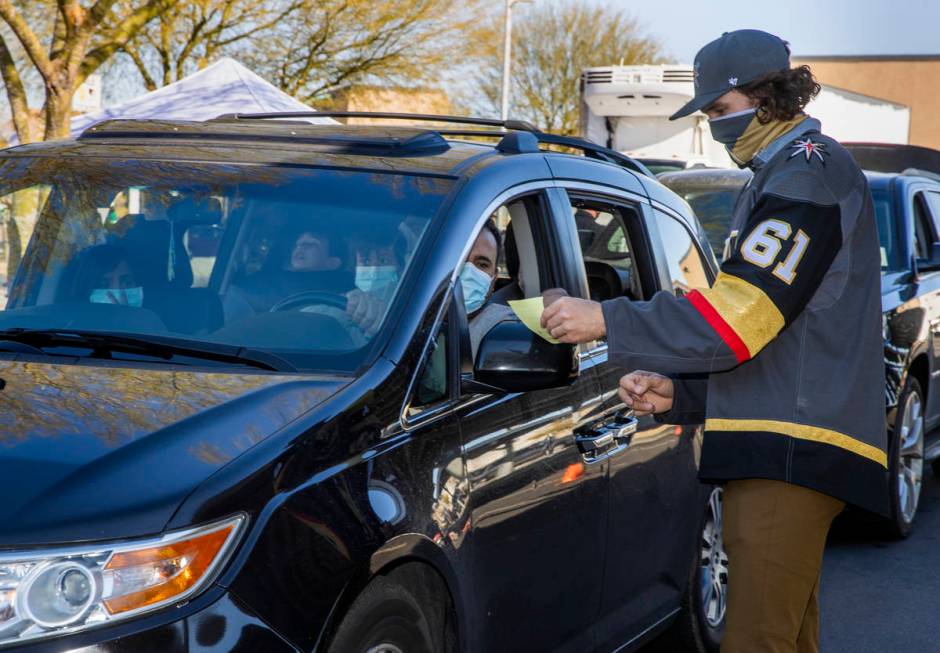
56, 591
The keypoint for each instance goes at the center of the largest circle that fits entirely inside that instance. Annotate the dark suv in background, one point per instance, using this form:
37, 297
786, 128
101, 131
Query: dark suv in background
907, 209
241, 410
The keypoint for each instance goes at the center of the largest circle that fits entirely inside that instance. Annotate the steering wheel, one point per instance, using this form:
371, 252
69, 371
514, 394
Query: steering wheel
309, 298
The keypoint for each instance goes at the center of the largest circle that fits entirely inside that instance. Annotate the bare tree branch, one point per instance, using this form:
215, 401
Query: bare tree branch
26, 37
332, 43
552, 44
149, 81
121, 33
16, 94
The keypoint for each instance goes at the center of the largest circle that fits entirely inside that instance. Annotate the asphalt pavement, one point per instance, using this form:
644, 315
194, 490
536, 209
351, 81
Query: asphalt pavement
880, 595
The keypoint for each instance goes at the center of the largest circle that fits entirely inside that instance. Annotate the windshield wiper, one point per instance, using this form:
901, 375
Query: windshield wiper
103, 343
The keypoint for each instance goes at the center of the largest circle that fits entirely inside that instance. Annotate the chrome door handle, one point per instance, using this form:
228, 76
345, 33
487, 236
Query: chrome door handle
606, 438
623, 430
594, 443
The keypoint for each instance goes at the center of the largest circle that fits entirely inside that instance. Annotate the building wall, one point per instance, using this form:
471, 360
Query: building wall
849, 117
390, 99
912, 81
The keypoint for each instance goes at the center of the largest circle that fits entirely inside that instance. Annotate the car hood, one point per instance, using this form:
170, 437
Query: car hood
95, 452
895, 289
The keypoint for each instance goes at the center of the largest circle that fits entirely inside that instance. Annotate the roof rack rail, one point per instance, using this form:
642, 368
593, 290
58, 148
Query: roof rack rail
589, 149
599, 152
516, 125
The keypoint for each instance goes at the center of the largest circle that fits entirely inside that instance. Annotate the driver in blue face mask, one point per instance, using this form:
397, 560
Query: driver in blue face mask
477, 276
479, 270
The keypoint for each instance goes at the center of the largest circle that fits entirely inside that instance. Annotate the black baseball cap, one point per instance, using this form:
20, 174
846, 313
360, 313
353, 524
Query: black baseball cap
734, 59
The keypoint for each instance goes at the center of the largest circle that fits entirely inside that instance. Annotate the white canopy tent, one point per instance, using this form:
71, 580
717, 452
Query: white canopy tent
223, 87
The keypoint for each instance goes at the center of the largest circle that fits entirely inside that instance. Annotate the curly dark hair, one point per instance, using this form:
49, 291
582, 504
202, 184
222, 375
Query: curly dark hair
783, 94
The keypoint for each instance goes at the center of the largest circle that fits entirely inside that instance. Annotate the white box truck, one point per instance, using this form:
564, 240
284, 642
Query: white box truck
627, 108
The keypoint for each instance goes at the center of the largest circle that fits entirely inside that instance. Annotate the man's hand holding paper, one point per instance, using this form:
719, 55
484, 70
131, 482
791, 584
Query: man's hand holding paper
572, 320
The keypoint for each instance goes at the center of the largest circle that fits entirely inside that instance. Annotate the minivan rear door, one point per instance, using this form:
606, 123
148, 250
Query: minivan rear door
655, 498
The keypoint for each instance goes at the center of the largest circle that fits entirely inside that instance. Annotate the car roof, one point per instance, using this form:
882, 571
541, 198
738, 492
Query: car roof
258, 138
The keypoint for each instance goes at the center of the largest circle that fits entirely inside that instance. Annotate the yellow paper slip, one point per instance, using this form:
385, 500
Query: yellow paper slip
529, 312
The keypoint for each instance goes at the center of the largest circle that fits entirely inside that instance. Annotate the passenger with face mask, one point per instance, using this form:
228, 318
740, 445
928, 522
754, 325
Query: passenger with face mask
106, 277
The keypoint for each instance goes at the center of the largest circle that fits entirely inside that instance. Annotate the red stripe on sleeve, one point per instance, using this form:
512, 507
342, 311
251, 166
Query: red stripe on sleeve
722, 328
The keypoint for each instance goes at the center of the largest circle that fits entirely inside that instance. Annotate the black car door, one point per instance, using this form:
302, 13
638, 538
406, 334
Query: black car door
656, 500
538, 508
926, 214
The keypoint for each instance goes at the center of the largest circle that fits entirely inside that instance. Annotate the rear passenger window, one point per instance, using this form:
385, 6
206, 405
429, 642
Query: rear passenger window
605, 247
687, 270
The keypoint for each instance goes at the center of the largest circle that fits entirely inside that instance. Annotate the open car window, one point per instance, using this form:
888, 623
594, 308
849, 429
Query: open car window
304, 263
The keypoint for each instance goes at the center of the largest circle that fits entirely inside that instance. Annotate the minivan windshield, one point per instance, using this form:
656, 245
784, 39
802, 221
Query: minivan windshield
304, 263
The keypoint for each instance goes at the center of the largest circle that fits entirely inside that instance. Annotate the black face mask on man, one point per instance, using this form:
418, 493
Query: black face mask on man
728, 129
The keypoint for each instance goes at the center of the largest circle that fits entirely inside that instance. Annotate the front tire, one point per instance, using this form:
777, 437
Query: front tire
700, 626
404, 612
906, 459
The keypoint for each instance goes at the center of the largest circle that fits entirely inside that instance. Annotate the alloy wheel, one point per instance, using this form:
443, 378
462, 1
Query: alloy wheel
713, 563
910, 468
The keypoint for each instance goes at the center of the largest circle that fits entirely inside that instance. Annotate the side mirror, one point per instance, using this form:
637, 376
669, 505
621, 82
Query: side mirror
513, 359
932, 262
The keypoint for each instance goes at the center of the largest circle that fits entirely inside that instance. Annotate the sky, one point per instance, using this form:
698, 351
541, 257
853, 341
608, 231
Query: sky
812, 27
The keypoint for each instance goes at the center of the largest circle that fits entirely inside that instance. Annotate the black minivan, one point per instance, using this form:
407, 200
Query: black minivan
241, 410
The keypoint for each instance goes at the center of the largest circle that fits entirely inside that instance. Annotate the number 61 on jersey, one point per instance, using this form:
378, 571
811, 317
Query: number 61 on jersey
762, 248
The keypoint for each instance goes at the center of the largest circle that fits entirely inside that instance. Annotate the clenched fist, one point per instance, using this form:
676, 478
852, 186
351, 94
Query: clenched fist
572, 320
646, 392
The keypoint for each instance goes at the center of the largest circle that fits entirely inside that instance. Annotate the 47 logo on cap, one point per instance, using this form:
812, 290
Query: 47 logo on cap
808, 148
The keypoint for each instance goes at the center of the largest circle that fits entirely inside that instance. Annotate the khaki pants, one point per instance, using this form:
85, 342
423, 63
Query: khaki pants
774, 535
